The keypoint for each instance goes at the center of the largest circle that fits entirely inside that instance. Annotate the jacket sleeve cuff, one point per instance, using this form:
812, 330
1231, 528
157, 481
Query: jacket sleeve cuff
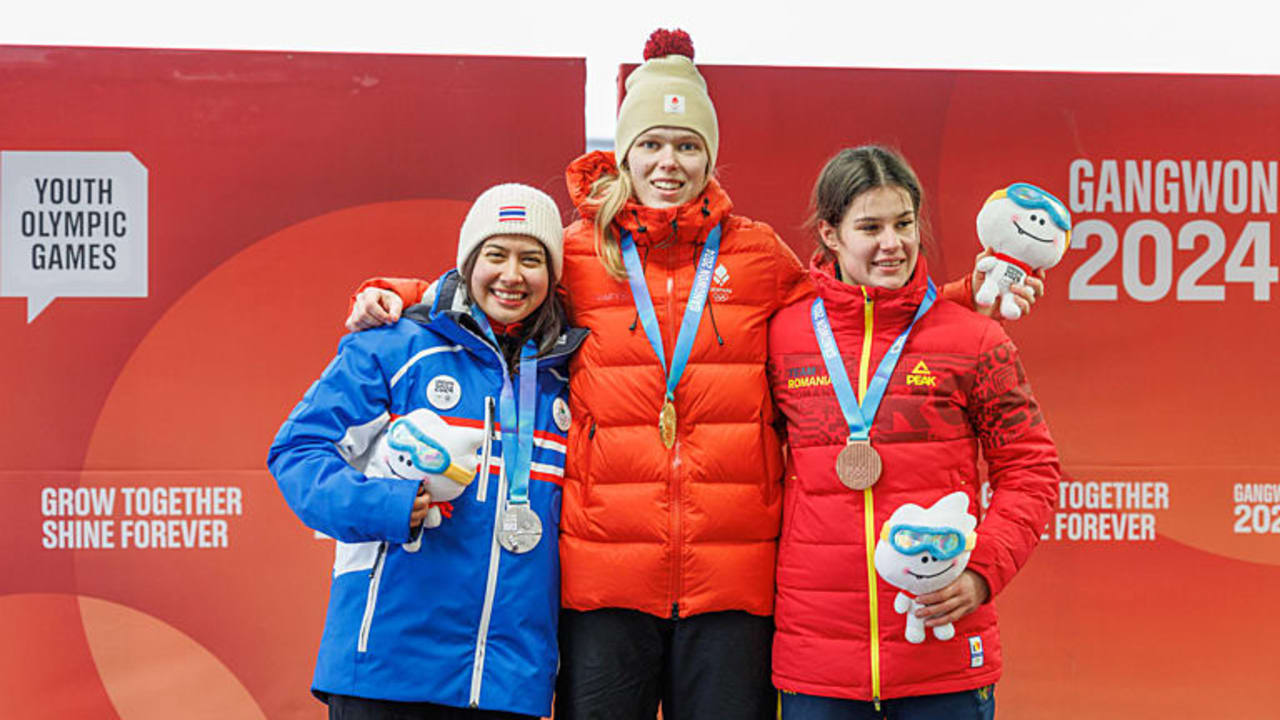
410, 290
397, 507
985, 561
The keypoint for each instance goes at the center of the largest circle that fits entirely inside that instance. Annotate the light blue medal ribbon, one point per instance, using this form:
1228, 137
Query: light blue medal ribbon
517, 426
860, 416
688, 325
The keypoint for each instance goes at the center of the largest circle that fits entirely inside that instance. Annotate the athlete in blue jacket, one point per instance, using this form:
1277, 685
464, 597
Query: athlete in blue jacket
438, 606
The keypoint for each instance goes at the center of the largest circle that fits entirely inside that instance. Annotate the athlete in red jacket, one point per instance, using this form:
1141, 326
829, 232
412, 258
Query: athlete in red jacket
840, 648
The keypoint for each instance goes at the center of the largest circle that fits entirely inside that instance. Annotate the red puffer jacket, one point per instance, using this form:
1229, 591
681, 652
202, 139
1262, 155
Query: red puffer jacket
958, 385
692, 529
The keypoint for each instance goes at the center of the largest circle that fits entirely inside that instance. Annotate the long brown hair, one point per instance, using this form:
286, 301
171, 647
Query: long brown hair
848, 174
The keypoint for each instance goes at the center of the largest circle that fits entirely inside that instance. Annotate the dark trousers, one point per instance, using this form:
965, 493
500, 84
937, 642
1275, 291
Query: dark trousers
977, 704
345, 707
621, 664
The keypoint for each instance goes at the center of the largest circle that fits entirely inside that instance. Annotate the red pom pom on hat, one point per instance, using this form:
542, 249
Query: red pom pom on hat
668, 42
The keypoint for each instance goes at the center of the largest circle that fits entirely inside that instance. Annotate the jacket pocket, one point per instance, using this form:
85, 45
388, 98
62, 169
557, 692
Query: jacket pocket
788, 498
486, 452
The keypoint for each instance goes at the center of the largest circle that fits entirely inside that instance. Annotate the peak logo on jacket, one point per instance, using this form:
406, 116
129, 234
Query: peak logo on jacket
921, 376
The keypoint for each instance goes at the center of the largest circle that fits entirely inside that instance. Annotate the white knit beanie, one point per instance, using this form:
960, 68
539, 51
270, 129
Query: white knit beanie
666, 91
513, 209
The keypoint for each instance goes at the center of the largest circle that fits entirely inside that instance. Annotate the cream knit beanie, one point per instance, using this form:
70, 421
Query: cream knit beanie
666, 91
513, 209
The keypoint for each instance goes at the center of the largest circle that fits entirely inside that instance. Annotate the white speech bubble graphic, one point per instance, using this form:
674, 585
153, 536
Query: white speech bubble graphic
72, 224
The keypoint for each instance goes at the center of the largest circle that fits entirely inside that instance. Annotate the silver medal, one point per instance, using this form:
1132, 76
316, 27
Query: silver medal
519, 529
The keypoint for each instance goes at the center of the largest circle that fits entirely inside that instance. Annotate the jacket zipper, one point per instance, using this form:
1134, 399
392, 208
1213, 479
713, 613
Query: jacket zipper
490, 588
371, 600
482, 487
495, 554
673, 474
869, 507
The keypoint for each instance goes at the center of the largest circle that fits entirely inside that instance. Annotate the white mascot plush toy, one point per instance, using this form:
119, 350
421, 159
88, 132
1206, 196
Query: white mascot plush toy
422, 446
922, 550
1028, 229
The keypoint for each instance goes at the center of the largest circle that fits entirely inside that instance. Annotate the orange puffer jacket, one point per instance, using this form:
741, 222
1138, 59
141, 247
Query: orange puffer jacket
692, 529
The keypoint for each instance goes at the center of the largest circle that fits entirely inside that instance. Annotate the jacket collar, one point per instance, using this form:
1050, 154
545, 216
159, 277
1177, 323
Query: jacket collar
688, 223
844, 301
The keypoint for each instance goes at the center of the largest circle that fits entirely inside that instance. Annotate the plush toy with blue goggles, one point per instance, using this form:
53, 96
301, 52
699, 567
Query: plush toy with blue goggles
922, 550
421, 446
1026, 229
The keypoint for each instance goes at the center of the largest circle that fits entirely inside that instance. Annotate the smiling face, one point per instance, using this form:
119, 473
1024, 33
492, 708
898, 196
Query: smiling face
668, 166
1028, 234
877, 241
509, 279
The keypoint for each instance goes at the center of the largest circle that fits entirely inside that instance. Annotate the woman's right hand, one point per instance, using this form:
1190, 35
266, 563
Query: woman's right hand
374, 307
421, 505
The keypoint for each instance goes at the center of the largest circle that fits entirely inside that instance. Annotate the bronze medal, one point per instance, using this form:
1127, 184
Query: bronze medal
858, 465
667, 424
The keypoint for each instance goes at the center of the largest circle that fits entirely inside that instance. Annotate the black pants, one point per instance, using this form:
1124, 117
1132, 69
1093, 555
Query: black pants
345, 707
977, 704
620, 664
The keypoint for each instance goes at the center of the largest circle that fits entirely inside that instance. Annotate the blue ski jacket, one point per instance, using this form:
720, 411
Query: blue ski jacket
453, 619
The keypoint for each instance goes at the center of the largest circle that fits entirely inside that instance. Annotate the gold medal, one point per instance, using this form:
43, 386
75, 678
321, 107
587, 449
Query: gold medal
667, 424
858, 465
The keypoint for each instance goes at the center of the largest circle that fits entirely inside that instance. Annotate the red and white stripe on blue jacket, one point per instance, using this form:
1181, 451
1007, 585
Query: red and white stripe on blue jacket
459, 622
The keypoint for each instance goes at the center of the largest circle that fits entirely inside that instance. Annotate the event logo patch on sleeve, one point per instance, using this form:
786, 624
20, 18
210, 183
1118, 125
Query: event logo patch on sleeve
560, 413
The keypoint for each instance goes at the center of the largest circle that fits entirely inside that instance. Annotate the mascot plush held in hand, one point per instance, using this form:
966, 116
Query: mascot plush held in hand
1028, 229
922, 550
422, 446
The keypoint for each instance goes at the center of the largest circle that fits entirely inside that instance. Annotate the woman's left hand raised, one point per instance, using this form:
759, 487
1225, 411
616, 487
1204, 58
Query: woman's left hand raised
955, 600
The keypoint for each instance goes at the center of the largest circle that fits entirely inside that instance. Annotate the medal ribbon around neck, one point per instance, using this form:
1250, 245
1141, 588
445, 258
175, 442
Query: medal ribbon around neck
692, 311
860, 416
517, 427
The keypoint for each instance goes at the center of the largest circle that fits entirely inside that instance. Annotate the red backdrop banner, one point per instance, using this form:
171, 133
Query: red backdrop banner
198, 220
1150, 594
180, 231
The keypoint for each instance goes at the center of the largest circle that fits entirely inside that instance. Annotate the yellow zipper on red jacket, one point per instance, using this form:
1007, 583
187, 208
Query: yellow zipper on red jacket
868, 509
